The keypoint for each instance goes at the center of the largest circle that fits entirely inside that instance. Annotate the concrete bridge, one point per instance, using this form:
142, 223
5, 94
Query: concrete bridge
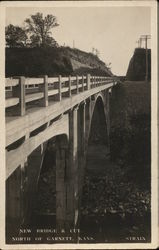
37, 110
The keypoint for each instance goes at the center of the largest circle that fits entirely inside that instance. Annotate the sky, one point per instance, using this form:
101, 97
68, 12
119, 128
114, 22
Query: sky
112, 30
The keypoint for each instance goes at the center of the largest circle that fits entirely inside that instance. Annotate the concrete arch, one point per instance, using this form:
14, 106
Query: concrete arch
21, 186
103, 98
58, 146
30, 144
59, 141
86, 110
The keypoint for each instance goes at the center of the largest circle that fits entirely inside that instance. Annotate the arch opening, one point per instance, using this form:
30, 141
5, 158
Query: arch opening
50, 184
97, 164
98, 129
98, 141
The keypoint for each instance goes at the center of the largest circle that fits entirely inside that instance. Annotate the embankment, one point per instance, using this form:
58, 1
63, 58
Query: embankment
130, 136
137, 66
64, 61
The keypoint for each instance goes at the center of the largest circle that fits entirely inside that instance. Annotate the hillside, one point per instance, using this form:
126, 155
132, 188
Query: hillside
52, 62
137, 66
117, 191
131, 128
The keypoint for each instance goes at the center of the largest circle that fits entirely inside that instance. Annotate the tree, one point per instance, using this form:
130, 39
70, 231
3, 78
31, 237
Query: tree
15, 36
49, 41
39, 28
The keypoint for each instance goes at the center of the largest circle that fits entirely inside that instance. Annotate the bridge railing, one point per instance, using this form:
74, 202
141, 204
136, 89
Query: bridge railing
20, 90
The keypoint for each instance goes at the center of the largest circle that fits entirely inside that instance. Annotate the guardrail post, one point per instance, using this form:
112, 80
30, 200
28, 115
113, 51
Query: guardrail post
44, 89
88, 81
19, 91
69, 87
101, 81
97, 82
93, 82
59, 88
105, 80
77, 84
82, 83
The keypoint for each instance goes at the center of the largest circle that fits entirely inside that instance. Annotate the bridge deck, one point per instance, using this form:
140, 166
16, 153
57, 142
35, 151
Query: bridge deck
18, 126
39, 123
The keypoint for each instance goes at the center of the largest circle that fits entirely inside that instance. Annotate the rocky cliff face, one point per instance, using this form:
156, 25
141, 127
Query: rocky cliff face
52, 62
137, 66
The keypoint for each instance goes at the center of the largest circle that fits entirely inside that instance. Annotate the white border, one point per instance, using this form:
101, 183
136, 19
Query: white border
154, 131
2, 126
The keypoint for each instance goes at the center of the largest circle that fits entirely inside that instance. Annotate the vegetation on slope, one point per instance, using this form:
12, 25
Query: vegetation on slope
52, 61
137, 66
130, 129
116, 197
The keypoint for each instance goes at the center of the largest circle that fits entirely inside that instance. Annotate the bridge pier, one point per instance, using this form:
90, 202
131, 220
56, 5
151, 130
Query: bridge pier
87, 120
107, 114
72, 172
70, 163
61, 166
81, 146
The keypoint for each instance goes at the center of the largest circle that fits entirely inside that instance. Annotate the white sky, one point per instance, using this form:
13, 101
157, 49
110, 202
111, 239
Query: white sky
112, 30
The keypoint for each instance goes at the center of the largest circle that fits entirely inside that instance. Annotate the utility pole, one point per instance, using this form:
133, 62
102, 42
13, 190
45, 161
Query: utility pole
139, 42
145, 38
97, 53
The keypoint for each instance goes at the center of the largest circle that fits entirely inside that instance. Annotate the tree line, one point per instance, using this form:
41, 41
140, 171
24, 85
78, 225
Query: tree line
35, 33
